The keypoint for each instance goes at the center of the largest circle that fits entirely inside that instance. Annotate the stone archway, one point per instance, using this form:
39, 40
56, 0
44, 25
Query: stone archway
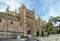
28, 31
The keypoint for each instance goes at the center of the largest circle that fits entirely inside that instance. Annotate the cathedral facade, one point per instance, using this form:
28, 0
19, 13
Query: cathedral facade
13, 22
21, 22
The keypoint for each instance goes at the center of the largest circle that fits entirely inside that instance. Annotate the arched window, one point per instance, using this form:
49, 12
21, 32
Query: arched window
11, 22
28, 14
20, 24
0, 20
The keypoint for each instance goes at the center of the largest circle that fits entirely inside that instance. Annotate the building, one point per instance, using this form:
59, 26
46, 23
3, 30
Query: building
21, 22
9, 22
13, 22
27, 19
39, 25
37, 22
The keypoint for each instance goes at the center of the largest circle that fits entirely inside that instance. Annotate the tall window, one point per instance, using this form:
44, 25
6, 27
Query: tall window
0, 20
28, 14
11, 22
20, 24
18, 20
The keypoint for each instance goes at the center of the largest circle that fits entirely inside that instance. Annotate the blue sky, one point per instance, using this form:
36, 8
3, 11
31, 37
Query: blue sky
43, 8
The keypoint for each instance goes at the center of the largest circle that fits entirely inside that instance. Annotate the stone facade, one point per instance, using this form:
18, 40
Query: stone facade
27, 19
17, 22
13, 22
39, 24
8, 23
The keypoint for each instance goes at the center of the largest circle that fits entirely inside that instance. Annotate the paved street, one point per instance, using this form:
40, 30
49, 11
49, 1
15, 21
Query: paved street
50, 38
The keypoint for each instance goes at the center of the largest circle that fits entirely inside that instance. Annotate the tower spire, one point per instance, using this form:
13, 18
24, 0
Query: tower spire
7, 8
22, 5
15, 10
33, 9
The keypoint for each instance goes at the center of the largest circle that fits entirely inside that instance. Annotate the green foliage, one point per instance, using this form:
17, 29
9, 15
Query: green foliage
58, 30
49, 27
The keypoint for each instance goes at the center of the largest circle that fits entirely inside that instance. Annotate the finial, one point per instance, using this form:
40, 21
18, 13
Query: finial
7, 8
15, 10
22, 5
33, 9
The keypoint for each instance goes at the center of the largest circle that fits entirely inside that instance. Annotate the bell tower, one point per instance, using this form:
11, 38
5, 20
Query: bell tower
22, 13
27, 19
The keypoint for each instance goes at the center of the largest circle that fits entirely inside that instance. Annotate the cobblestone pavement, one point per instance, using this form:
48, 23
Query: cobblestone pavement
50, 38
17, 40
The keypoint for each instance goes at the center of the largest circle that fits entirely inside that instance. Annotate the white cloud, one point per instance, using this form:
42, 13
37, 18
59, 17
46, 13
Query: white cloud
54, 9
13, 4
56, 24
51, 12
2, 10
52, 6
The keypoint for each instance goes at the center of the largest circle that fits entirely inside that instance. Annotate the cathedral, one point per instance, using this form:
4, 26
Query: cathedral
21, 22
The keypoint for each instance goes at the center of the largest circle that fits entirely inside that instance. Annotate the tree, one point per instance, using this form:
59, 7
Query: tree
57, 29
49, 27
